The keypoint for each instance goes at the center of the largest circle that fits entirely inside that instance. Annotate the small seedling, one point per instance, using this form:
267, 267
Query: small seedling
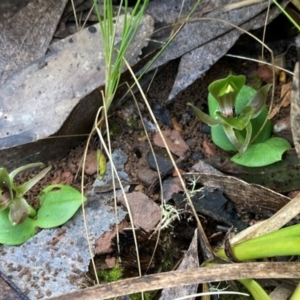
18, 220
237, 115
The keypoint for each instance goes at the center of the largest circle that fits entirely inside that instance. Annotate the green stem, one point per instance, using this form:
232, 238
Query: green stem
287, 15
260, 249
255, 289
32, 211
296, 294
290, 231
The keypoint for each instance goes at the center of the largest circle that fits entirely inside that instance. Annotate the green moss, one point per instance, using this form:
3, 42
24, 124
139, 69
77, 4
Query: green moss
110, 275
147, 295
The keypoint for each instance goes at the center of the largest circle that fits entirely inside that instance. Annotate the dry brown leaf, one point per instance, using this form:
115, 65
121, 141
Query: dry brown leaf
176, 126
209, 148
282, 217
250, 197
285, 95
173, 140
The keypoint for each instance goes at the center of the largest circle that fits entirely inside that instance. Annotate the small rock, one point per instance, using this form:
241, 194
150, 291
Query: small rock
110, 262
145, 213
63, 178
205, 129
147, 176
91, 163
161, 114
197, 156
170, 187
163, 160
265, 73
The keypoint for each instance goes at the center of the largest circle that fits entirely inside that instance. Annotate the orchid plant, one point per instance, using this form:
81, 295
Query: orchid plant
237, 116
19, 220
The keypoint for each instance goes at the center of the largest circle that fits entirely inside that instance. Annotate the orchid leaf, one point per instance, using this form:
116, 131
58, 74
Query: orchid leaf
239, 122
58, 204
15, 235
229, 131
263, 154
23, 168
247, 139
22, 189
259, 100
204, 117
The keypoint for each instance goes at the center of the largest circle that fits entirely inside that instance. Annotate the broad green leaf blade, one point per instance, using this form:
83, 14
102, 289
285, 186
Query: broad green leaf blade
58, 204
15, 235
259, 100
22, 189
23, 168
239, 122
257, 124
204, 117
263, 154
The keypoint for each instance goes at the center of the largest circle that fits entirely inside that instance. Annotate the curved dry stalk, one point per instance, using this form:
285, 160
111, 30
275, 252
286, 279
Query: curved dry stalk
259, 61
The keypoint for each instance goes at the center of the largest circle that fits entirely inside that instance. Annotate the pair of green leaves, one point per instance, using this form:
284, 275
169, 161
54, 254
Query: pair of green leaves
237, 115
18, 220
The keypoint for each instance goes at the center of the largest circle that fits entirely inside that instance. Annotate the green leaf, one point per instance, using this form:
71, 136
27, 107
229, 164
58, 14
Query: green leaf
259, 100
23, 168
58, 204
15, 235
239, 122
247, 139
25, 187
204, 117
263, 154
231, 135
